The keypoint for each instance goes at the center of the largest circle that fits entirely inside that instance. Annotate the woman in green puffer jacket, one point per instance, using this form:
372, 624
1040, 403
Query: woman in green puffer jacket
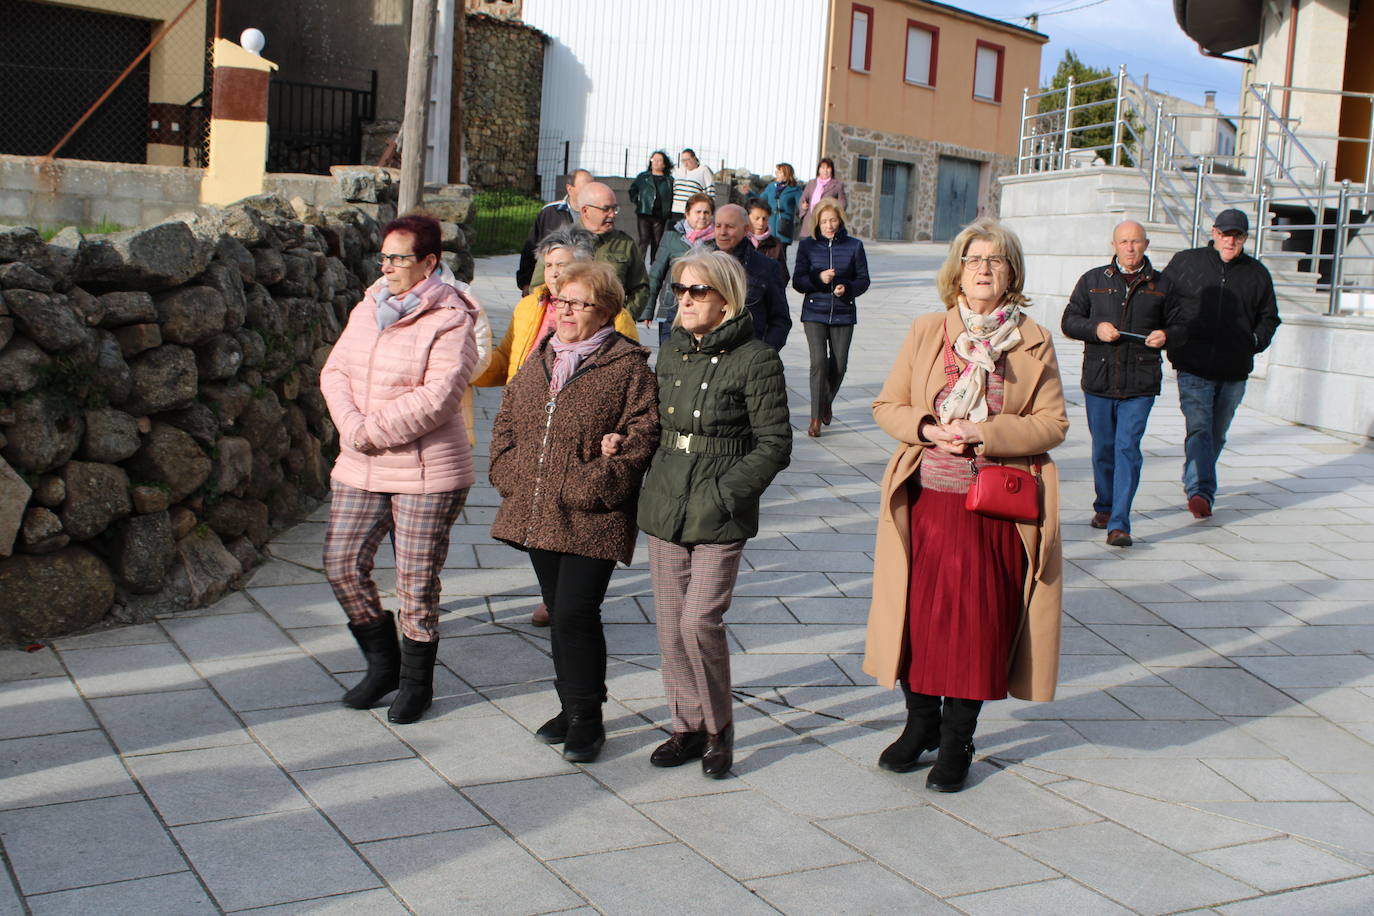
724, 437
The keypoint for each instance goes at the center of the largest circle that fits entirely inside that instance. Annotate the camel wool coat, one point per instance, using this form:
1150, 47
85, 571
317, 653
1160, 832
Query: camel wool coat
1031, 423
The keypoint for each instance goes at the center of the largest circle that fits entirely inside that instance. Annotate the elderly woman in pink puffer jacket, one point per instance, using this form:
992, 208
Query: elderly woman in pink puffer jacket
394, 383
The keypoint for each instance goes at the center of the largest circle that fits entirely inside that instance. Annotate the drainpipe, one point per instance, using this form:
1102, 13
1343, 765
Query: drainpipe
829, 62
1288, 64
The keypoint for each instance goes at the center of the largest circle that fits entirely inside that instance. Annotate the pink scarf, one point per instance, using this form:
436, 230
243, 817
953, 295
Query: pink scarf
568, 356
701, 235
759, 239
821, 185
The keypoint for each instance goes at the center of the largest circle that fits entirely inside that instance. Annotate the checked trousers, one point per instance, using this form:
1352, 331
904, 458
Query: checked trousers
358, 521
693, 585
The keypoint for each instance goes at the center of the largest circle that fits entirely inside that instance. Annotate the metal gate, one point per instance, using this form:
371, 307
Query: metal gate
892, 199
311, 127
956, 196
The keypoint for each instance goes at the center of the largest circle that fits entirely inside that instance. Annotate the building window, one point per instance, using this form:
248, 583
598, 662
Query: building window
861, 170
922, 51
987, 72
861, 38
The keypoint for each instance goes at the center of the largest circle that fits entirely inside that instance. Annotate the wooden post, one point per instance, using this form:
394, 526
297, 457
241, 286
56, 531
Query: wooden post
455, 120
417, 104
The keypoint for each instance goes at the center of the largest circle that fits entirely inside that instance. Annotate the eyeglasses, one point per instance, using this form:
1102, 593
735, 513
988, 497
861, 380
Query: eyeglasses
613, 208
395, 260
698, 291
994, 262
577, 305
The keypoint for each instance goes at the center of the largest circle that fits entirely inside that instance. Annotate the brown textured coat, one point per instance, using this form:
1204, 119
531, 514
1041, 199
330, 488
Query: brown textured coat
558, 492
1031, 423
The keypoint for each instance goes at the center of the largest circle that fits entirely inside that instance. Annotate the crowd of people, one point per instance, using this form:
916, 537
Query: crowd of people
592, 445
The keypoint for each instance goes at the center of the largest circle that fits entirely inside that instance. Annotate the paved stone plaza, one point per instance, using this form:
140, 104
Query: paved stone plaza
1212, 748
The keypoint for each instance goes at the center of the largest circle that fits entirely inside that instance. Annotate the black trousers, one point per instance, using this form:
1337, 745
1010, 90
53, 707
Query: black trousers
573, 588
650, 235
829, 348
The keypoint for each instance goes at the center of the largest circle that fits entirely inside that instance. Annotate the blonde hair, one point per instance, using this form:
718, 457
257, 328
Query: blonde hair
826, 203
600, 280
722, 272
1004, 242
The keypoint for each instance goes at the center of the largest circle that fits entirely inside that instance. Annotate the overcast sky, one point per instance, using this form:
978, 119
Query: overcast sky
1141, 34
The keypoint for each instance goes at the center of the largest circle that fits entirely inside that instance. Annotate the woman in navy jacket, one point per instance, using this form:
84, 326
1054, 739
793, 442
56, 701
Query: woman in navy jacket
832, 271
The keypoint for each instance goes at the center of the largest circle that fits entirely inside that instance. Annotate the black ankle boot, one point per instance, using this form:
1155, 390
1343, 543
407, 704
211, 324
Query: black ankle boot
922, 733
719, 754
417, 681
586, 735
956, 745
383, 655
554, 731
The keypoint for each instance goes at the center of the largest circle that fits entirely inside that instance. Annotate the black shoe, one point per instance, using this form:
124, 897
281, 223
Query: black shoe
922, 733
585, 737
383, 654
951, 768
680, 748
554, 731
719, 753
417, 681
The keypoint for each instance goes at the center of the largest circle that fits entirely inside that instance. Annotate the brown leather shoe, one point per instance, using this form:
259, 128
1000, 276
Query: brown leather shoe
1100, 520
814, 430
540, 618
680, 748
1199, 506
1118, 538
720, 754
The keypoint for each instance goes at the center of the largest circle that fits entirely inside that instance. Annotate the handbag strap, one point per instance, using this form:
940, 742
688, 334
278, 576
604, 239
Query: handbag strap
973, 465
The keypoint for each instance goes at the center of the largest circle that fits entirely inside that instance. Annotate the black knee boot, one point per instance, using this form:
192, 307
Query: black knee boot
922, 733
586, 734
956, 745
383, 655
417, 681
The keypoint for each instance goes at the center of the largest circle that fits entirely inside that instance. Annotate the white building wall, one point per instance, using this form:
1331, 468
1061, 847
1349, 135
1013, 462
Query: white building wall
737, 82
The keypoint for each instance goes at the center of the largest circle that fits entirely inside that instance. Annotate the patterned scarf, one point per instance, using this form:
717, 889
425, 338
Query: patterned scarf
985, 338
391, 309
568, 356
694, 236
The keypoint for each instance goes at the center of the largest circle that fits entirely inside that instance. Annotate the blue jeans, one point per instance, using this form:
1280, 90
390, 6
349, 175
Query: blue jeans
1117, 425
1208, 407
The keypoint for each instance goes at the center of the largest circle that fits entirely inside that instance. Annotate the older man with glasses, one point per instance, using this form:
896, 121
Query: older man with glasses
1228, 298
597, 210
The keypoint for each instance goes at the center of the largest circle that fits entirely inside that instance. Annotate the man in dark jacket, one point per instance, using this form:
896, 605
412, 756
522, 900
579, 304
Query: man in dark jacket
553, 216
1124, 313
1228, 298
596, 212
766, 298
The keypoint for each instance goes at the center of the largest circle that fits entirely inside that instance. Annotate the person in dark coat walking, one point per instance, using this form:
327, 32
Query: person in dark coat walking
1124, 313
652, 196
766, 297
696, 227
832, 270
763, 240
1228, 298
722, 402
567, 498
553, 216
784, 197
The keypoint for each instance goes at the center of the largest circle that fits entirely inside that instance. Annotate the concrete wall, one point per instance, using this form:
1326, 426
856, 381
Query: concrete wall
77, 192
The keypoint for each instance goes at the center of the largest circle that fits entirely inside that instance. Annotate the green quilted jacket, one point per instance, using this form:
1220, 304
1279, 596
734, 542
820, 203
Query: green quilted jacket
722, 407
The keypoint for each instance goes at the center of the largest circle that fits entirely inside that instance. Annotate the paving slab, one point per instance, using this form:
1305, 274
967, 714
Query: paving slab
862, 887
394, 798
70, 766
165, 895
155, 723
675, 878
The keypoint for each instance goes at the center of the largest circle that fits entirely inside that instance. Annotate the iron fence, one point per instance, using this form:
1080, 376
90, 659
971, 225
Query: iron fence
313, 126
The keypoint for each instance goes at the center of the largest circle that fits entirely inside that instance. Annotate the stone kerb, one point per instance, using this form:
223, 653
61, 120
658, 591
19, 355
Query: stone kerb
160, 409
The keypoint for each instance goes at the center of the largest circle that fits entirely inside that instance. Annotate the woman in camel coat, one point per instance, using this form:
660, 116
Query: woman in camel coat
1005, 601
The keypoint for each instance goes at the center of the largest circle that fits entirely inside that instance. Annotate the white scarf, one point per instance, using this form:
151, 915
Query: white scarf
985, 338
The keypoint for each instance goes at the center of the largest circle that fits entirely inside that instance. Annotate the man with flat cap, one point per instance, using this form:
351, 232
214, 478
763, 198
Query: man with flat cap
1228, 298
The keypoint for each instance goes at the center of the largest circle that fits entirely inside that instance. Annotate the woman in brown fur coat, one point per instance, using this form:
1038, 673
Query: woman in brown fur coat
577, 427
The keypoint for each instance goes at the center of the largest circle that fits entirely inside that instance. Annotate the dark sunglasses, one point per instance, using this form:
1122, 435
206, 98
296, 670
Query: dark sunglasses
698, 291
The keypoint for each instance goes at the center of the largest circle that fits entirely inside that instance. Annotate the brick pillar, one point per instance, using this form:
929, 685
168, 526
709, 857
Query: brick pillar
238, 125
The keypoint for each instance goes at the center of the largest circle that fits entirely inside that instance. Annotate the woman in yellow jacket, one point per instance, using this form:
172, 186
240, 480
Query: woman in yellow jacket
533, 320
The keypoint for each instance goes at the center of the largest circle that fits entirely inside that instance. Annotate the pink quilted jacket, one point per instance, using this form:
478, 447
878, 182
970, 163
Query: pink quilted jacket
402, 391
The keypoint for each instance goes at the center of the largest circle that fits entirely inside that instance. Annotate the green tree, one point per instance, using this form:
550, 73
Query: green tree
1099, 107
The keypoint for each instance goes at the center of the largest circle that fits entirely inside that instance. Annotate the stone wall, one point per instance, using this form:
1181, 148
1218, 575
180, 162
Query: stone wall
845, 143
502, 87
160, 409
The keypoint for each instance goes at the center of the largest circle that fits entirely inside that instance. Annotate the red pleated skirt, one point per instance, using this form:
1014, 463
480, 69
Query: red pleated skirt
964, 598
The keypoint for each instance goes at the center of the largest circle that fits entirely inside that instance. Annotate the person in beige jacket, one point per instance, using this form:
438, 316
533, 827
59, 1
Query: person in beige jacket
965, 606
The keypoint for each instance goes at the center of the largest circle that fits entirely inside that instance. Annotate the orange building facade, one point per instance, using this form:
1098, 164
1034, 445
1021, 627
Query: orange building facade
921, 113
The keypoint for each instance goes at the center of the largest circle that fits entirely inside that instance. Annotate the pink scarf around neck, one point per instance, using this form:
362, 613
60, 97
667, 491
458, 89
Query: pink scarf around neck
568, 356
701, 235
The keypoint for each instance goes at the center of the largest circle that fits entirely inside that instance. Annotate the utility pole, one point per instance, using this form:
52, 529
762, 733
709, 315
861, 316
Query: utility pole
417, 105
455, 123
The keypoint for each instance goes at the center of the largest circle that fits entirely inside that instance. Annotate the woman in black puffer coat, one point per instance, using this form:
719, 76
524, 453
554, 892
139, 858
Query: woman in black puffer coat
832, 271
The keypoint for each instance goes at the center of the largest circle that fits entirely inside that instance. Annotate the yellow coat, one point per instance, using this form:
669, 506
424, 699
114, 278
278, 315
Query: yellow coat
1031, 423
510, 354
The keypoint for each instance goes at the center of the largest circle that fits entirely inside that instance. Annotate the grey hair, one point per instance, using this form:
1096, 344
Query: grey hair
580, 242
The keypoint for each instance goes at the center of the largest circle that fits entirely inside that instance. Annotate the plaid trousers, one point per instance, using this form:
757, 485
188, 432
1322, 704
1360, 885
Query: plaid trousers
693, 585
358, 520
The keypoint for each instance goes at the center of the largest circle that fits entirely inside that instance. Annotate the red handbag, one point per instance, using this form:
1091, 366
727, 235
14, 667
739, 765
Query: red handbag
998, 491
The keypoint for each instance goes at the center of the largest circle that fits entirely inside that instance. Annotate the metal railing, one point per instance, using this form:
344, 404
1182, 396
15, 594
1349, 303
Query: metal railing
1306, 226
311, 126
